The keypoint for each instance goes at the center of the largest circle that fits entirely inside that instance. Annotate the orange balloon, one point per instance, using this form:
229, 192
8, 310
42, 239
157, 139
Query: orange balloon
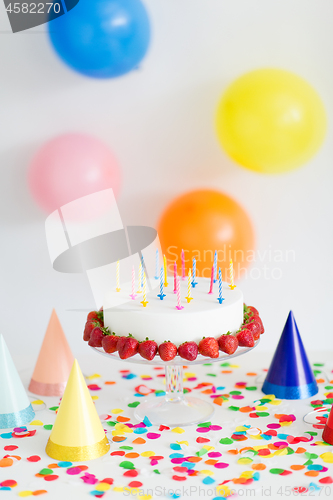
201, 222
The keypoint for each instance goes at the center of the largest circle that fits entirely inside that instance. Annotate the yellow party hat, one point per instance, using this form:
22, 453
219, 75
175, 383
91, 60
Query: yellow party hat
77, 434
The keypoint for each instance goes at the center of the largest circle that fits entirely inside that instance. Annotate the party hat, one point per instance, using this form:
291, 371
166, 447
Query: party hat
15, 407
290, 375
54, 361
328, 430
77, 434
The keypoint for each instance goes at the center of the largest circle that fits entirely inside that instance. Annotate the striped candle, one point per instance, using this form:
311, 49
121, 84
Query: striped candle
156, 264
215, 266
183, 265
142, 269
165, 271
231, 275
189, 298
139, 280
220, 298
118, 276
133, 294
175, 277
179, 306
144, 302
161, 294
194, 265
211, 281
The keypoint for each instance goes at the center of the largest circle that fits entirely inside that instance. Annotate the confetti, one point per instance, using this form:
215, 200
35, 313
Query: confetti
178, 430
153, 435
73, 471
117, 410
131, 473
6, 462
147, 422
34, 458
127, 465
326, 480
257, 437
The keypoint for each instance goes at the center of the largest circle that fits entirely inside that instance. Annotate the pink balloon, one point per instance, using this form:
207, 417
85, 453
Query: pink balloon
71, 166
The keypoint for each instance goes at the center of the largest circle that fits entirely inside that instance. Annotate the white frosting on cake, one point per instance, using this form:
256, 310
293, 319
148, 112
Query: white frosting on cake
160, 320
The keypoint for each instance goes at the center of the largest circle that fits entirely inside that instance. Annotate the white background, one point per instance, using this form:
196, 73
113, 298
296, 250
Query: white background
159, 121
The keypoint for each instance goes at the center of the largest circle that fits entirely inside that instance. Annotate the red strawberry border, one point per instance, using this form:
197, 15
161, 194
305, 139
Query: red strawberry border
98, 336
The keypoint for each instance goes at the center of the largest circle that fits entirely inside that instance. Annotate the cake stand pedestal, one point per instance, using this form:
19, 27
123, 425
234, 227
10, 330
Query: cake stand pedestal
175, 408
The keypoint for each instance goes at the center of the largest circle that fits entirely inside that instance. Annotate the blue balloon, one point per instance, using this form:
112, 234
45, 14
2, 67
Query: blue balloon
102, 38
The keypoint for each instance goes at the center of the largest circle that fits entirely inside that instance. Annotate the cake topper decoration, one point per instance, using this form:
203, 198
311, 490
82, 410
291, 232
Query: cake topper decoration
15, 407
290, 375
328, 430
77, 434
54, 361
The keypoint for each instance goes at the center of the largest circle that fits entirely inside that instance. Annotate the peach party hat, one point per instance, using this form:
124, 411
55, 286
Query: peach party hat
54, 361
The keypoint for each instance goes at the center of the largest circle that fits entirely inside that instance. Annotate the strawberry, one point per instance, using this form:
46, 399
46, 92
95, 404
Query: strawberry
109, 343
252, 311
96, 337
127, 346
188, 350
92, 315
228, 343
208, 346
245, 338
254, 327
89, 326
257, 320
167, 351
148, 349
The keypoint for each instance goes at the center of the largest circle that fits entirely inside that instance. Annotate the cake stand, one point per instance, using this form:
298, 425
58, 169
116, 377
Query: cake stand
175, 409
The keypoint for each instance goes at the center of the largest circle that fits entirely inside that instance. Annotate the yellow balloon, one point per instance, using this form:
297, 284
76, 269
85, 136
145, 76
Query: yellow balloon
271, 121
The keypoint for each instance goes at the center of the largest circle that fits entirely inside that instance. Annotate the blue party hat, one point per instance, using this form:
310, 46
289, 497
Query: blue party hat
15, 407
290, 375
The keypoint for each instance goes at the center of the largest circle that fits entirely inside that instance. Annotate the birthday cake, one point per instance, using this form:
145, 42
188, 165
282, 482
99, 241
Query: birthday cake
202, 324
